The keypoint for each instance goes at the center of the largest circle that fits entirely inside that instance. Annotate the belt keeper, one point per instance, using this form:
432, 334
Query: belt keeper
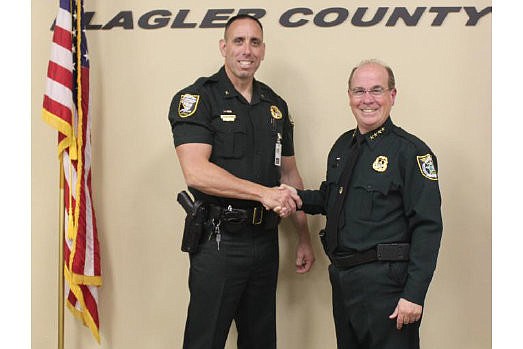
393, 252
257, 218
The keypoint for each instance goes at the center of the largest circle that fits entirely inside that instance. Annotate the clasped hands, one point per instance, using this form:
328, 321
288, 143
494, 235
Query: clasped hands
284, 200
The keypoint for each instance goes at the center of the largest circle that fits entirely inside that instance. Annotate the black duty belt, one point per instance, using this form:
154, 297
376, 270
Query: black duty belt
382, 252
254, 215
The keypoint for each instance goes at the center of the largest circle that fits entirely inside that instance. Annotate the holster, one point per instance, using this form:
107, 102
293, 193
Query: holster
194, 227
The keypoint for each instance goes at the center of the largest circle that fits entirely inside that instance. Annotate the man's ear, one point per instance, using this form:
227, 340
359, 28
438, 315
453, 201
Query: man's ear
393, 95
222, 46
263, 53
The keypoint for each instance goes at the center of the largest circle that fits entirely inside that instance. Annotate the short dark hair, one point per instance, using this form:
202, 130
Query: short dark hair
238, 17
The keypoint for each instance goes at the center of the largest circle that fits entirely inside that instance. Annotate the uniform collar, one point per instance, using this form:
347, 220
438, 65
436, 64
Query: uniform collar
375, 136
229, 91
357, 137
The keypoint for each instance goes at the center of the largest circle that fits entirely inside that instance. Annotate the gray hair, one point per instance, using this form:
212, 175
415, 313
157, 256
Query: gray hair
391, 80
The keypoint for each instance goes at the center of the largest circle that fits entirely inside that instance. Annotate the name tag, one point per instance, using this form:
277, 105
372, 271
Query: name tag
228, 117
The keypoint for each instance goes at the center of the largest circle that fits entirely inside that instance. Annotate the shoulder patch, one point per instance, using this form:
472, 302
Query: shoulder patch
426, 166
188, 105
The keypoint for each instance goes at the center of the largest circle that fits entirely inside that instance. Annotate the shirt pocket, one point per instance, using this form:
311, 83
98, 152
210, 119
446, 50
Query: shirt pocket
369, 199
230, 139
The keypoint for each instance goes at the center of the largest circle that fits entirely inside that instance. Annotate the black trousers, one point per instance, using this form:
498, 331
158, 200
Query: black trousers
363, 297
238, 282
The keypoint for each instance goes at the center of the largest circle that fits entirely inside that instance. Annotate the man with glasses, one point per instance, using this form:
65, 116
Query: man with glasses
383, 232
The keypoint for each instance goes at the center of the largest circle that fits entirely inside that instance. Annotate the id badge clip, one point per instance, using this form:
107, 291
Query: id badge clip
277, 151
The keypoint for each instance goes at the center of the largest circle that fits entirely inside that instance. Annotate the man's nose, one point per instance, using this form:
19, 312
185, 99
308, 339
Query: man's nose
368, 97
246, 48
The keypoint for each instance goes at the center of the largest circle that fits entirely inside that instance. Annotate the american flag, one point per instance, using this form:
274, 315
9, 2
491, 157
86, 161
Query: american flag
66, 108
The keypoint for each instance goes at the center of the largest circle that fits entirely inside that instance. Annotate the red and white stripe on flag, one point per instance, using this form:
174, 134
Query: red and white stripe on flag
66, 108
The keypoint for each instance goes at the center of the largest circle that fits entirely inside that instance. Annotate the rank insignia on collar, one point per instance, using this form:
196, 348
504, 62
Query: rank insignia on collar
188, 105
426, 166
380, 164
276, 113
377, 133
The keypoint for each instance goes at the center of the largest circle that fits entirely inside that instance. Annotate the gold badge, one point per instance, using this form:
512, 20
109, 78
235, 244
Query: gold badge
426, 166
380, 164
188, 105
276, 113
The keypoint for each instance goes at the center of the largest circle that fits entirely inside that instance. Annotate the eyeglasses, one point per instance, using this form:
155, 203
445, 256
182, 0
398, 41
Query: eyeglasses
375, 91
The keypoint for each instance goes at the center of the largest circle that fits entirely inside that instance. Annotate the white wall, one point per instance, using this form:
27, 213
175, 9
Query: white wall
444, 97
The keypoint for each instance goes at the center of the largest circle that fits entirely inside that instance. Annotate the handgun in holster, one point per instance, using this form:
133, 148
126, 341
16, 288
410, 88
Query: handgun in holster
194, 222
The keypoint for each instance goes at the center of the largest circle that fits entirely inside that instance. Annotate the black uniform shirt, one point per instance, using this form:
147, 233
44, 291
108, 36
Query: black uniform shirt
243, 135
393, 197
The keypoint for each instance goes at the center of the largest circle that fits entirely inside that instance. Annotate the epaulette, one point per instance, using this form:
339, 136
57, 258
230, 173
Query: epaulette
415, 141
344, 137
268, 92
264, 87
197, 84
200, 81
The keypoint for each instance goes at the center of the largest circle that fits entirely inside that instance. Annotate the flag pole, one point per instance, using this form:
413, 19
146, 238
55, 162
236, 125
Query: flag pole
61, 259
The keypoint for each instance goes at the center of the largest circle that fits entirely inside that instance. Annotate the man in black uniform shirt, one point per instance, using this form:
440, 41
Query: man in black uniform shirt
234, 142
383, 232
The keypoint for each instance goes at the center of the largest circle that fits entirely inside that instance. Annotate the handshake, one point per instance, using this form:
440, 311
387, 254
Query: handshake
284, 200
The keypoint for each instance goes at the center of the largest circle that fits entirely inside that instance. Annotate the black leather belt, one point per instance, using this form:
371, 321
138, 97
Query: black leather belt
382, 252
253, 215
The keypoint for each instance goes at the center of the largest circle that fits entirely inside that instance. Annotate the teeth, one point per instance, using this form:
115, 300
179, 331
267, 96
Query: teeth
367, 110
245, 63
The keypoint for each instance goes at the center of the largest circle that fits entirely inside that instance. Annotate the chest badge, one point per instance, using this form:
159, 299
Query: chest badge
380, 164
426, 166
276, 113
188, 105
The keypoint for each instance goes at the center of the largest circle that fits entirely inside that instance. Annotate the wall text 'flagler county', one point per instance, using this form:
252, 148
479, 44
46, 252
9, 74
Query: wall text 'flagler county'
291, 18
